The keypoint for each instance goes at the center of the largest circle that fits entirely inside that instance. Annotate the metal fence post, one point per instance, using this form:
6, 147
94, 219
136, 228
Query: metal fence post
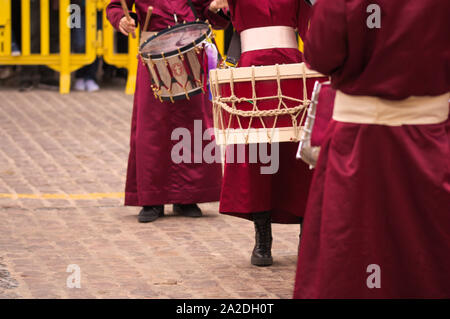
5, 28
64, 45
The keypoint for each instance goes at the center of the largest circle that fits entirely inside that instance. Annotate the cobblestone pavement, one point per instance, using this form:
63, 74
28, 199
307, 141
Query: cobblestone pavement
62, 170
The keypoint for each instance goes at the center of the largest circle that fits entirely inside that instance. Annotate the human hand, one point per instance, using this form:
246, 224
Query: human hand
216, 5
127, 26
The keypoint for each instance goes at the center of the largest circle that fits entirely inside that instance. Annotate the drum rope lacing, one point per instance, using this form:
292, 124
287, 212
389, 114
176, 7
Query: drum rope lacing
294, 112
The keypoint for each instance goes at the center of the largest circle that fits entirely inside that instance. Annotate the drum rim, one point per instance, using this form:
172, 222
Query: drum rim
182, 49
182, 96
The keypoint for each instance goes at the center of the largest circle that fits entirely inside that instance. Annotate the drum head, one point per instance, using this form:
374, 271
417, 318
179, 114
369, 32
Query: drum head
181, 37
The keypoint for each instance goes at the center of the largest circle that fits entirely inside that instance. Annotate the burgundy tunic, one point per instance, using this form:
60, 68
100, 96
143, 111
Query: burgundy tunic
401, 59
245, 190
152, 177
380, 196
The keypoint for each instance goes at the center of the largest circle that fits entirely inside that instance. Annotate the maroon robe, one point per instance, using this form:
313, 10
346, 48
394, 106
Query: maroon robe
152, 177
380, 196
245, 190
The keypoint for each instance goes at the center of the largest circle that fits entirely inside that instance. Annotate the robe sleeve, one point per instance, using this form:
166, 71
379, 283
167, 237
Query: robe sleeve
114, 12
217, 20
326, 38
304, 15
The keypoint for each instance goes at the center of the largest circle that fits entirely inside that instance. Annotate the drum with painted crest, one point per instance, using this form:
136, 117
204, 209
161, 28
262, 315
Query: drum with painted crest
262, 104
177, 61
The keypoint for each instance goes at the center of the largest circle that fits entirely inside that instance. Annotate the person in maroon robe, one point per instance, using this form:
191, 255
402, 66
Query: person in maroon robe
246, 191
377, 223
153, 178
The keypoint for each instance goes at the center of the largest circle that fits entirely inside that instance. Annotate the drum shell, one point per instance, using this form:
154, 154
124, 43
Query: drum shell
261, 104
179, 76
324, 114
320, 113
178, 72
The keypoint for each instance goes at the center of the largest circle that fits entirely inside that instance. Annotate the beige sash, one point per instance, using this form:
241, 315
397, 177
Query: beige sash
268, 38
375, 110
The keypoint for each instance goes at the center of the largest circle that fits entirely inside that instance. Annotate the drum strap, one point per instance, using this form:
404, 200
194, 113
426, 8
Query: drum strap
194, 11
220, 12
234, 50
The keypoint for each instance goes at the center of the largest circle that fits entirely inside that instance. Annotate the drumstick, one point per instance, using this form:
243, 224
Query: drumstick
147, 18
127, 14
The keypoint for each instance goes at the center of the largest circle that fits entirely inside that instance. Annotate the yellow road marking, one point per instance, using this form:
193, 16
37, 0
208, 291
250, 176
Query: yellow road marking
64, 196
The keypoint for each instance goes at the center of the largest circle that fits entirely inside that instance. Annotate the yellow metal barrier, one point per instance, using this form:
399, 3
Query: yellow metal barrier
219, 36
121, 60
64, 62
98, 42
5, 28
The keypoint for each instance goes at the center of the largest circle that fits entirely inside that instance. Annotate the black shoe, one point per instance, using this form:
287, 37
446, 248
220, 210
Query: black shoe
262, 255
188, 210
150, 213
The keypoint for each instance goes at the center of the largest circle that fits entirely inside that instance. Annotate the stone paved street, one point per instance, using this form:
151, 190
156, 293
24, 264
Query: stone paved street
62, 173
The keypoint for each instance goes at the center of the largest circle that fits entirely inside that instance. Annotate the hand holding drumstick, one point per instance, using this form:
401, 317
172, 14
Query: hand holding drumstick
127, 24
216, 5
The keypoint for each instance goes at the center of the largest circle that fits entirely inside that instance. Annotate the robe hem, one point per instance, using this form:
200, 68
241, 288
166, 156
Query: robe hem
182, 197
277, 216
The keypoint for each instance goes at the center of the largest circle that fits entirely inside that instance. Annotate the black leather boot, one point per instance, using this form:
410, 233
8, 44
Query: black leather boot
262, 255
150, 213
188, 210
